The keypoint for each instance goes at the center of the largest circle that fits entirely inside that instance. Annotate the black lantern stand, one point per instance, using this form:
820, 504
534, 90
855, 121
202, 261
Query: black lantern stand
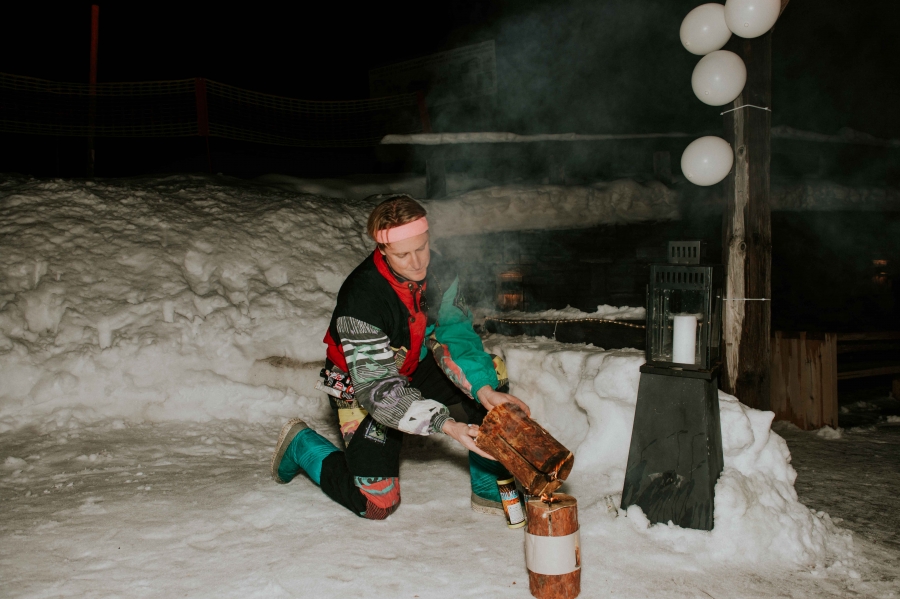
675, 456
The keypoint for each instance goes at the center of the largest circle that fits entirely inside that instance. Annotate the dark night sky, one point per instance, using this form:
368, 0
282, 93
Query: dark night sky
601, 66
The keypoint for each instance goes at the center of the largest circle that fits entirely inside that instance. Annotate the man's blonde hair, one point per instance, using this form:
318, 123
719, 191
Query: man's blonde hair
394, 211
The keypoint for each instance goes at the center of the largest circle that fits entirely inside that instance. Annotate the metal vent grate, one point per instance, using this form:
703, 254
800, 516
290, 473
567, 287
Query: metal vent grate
695, 278
686, 252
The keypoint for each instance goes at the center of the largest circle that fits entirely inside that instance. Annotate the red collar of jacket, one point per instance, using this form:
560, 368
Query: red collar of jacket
410, 293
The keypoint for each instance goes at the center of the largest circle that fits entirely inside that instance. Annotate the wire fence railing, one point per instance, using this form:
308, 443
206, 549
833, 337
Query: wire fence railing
192, 107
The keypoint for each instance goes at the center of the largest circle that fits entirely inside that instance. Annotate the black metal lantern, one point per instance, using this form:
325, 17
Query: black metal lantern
675, 454
684, 308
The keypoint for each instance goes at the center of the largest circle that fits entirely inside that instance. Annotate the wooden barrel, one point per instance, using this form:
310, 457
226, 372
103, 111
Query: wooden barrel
525, 448
553, 548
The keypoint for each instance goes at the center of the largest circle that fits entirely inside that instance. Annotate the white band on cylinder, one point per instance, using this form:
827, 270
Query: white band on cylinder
553, 555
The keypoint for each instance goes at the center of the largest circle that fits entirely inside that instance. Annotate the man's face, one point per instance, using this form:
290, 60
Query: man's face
410, 257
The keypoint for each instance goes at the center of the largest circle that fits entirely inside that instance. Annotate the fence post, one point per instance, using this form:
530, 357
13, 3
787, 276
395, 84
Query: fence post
203, 116
92, 91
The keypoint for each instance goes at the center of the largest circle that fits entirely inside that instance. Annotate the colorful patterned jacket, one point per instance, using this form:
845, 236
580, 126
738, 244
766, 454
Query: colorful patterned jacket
381, 329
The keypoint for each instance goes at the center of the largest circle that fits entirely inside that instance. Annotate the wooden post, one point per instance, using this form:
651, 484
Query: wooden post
92, 100
553, 548
747, 230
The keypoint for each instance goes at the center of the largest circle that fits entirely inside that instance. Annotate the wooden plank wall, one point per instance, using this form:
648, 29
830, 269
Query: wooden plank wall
804, 379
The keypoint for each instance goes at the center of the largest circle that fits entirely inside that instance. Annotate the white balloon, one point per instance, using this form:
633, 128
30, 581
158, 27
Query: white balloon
751, 18
719, 78
703, 30
707, 160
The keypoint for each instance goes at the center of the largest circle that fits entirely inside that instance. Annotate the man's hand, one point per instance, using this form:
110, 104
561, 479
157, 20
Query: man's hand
465, 434
490, 399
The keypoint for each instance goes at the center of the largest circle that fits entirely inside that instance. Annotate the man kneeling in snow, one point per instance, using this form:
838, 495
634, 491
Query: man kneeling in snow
392, 367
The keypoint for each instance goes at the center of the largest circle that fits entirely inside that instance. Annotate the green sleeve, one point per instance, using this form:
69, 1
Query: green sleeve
454, 330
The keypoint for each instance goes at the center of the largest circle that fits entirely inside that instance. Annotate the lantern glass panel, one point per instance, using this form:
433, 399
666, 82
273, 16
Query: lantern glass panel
684, 316
689, 334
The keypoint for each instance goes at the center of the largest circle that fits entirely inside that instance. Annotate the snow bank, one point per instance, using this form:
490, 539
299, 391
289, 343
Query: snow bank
478, 206
561, 206
358, 187
586, 397
155, 298
605, 312
152, 298
521, 207
827, 196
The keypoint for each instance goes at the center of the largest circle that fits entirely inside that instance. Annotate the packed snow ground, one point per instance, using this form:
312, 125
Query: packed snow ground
861, 465
181, 509
137, 428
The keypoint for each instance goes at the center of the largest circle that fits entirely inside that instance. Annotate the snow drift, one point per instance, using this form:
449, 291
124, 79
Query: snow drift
152, 298
479, 206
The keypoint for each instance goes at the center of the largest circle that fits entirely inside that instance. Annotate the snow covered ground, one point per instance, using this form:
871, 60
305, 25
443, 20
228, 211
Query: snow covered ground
137, 428
854, 475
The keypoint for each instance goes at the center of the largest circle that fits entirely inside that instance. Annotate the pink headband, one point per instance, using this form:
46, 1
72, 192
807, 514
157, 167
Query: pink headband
394, 234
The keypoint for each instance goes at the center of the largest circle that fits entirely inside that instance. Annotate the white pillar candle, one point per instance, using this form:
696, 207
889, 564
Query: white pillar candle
684, 339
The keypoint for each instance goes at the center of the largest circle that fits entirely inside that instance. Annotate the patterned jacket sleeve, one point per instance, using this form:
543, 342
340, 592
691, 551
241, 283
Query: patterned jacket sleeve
462, 357
380, 388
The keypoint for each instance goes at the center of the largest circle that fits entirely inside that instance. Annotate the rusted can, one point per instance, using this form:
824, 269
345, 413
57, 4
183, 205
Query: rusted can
512, 504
